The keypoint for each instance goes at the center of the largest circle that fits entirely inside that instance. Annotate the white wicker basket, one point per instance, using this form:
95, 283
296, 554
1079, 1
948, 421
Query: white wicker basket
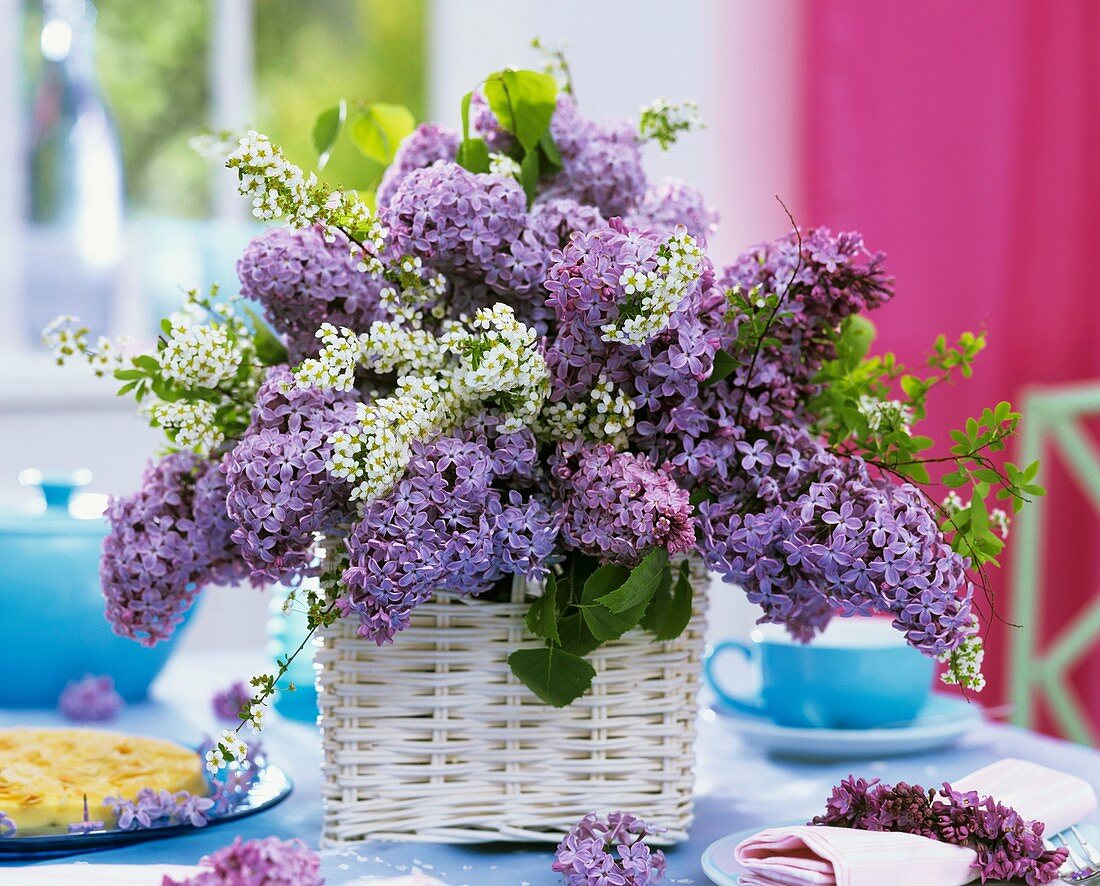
433, 738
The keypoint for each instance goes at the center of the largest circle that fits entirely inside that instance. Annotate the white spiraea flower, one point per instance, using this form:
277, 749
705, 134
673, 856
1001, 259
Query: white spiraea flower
494, 360
965, 661
200, 356
278, 189
651, 296
886, 414
191, 423
504, 166
607, 415
67, 339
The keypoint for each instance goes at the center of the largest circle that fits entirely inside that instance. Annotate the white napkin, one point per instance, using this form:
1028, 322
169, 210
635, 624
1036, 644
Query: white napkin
819, 856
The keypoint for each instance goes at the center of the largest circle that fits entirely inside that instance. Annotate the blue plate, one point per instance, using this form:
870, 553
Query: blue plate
722, 869
942, 721
270, 788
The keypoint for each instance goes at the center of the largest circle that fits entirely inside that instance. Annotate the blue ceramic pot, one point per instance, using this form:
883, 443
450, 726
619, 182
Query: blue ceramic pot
52, 627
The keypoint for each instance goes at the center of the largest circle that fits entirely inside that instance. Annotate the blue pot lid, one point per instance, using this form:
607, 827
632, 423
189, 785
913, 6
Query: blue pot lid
57, 513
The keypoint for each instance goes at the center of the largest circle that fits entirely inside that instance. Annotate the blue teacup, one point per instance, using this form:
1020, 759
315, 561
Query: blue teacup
858, 674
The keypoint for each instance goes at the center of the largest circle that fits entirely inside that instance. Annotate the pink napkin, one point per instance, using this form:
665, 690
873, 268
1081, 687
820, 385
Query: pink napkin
814, 856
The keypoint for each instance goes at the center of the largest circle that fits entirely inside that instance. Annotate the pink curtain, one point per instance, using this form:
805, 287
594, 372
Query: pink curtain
963, 138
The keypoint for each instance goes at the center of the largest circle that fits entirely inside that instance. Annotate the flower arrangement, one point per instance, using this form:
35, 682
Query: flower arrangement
1008, 846
522, 365
609, 851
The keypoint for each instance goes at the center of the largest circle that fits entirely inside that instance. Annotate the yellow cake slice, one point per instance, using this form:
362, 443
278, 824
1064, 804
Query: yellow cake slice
45, 773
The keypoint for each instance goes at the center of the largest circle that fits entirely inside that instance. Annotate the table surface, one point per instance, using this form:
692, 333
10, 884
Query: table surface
738, 787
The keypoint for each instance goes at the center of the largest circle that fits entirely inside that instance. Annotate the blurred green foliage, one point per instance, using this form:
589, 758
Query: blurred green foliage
153, 65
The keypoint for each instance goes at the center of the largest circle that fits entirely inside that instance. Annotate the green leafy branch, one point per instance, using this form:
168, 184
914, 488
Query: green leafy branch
376, 130
585, 605
523, 103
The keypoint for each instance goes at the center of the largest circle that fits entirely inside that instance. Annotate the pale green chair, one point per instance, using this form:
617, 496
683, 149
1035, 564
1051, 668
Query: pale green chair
1039, 669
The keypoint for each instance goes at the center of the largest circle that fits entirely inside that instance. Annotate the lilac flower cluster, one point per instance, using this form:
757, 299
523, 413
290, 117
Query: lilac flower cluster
617, 506
609, 852
165, 544
457, 522
458, 222
152, 808
227, 702
90, 700
601, 165
671, 203
302, 281
1008, 846
279, 492
7, 826
264, 862
422, 147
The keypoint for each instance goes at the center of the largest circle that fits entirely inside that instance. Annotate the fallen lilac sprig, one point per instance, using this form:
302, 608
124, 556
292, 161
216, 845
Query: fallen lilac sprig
270, 861
7, 826
86, 825
1008, 846
609, 852
152, 809
90, 700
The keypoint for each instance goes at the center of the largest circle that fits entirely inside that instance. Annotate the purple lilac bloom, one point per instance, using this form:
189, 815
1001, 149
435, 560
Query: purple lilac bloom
485, 124
837, 277
280, 492
458, 222
90, 700
422, 147
303, 281
1008, 846
673, 203
585, 293
265, 862
601, 165
152, 808
617, 505
86, 825
446, 526
156, 556
215, 526
7, 826
227, 702
609, 852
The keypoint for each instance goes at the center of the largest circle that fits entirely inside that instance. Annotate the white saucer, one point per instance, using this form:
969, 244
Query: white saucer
722, 869
943, 720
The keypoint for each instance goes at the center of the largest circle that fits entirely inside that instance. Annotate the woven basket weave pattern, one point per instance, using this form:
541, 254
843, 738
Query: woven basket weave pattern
433, 738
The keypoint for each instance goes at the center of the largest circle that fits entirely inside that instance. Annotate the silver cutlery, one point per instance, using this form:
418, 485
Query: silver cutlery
1083, 862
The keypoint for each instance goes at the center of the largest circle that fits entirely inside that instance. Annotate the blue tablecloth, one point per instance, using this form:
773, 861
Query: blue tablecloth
738, 787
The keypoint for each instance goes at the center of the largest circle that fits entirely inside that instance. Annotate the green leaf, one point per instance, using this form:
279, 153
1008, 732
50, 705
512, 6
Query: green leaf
574, 635
604, 580
724, 364
657, 610
473, 154
148, 362
640, 585
554, 675
380, 130
523, 102
529, 175
269, 349
326, 129
676, 618
542, 617
550, 150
